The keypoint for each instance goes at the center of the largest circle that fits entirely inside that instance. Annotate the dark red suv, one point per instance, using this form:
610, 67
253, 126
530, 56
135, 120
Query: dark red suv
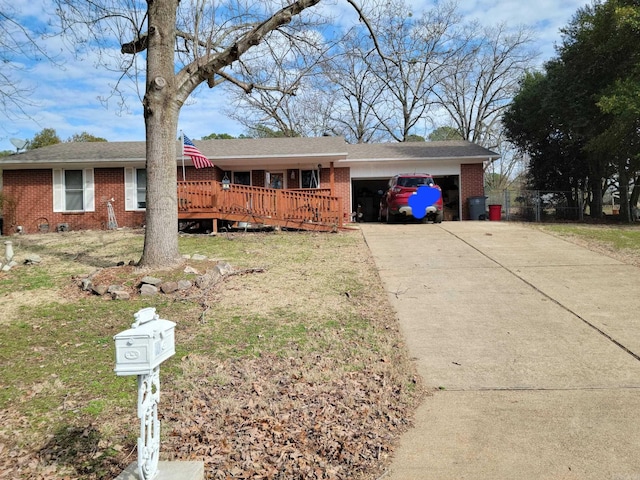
395, 201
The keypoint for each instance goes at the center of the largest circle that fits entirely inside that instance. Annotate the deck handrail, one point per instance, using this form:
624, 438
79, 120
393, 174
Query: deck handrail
299, 205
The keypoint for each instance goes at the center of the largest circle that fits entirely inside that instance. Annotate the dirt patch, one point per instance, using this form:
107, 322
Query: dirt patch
13, 302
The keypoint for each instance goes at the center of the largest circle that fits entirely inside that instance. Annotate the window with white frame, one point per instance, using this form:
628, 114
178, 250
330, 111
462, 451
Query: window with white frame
73, 190
135, 180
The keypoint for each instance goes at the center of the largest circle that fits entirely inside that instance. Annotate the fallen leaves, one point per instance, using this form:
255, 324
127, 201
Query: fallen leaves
270, 422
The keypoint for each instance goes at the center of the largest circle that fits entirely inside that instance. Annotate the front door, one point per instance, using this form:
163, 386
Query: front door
276, 180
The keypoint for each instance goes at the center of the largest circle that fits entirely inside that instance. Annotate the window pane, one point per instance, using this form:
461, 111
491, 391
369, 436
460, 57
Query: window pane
141, 187
242, 178
277, 180
141, 199
73, 190
141, 178
73, 179
309, 178
74, 200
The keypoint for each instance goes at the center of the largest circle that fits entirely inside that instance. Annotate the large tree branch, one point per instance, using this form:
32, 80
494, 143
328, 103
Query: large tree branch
197, 72
140, 44
372, 31
249, 87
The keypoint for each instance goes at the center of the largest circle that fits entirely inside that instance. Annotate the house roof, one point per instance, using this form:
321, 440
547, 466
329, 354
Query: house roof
77, 152
451, 149
273, 147
246, 153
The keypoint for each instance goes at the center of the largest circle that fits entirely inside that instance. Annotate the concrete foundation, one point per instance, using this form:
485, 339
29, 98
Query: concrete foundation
168, 471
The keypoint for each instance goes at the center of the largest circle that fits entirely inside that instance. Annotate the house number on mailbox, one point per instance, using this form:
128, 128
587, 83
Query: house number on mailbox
140, 351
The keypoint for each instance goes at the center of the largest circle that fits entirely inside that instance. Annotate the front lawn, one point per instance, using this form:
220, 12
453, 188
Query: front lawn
291, 367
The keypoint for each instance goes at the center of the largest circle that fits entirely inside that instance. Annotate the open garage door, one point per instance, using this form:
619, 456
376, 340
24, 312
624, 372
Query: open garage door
365, 200
450, 186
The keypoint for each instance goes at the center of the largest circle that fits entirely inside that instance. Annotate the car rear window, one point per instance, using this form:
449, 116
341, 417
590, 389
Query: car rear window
414, 181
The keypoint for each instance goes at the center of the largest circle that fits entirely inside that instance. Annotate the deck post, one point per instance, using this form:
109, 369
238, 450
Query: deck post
332, 179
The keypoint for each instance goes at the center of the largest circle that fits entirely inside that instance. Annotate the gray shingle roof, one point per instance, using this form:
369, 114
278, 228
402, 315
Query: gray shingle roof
216, 150
74, 152
418, 150
273, 147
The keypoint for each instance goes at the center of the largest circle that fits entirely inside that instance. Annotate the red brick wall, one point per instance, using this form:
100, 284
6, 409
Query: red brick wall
200, 174
109, 183
471, 185
31, 191
258, 178
295, 181
342, 184
31, 194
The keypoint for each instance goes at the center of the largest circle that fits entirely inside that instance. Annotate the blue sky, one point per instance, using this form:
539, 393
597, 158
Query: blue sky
66, 97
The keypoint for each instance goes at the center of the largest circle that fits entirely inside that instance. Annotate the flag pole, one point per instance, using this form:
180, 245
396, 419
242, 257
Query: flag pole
182, 147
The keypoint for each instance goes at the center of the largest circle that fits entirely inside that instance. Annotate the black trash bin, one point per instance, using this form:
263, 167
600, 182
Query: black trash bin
477, 208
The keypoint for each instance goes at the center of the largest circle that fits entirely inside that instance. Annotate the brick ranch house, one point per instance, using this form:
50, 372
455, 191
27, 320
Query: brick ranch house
68, 185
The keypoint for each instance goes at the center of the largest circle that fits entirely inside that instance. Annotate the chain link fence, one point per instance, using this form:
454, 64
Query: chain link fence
537, 205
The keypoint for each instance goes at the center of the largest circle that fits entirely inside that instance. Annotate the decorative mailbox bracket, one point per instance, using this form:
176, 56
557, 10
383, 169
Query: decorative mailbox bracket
140, 351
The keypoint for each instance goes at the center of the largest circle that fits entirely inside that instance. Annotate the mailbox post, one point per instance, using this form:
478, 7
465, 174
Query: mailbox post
139, 351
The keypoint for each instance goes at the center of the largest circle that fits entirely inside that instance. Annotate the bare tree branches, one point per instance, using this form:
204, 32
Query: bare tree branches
18, 47
479, 84
396, 72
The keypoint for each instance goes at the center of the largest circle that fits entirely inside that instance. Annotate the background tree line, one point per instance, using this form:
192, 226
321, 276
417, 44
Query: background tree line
578, 119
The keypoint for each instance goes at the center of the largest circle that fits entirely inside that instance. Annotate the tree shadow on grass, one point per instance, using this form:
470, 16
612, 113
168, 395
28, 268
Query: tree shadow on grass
83, 449
91, 255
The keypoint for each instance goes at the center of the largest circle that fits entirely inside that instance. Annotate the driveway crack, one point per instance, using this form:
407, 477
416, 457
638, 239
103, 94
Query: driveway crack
544, 294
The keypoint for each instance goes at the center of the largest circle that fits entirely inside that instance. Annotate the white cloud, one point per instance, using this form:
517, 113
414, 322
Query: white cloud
546, 17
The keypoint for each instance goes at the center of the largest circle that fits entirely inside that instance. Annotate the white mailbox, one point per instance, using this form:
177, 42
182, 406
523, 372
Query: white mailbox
148, 343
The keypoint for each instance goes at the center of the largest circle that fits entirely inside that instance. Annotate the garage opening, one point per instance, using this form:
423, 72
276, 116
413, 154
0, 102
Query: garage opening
365, 199
450, 186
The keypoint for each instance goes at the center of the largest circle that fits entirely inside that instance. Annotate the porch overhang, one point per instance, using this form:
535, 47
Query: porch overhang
275, 162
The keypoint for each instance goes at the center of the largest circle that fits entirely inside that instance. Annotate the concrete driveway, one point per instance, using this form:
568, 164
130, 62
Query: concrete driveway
529, 345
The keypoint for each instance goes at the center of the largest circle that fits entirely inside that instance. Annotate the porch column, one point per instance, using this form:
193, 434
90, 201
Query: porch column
332, 179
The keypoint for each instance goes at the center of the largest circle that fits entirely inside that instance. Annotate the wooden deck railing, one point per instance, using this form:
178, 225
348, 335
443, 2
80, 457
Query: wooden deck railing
267, 205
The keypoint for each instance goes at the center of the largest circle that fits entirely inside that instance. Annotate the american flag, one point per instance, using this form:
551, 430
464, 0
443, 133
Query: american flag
199, 160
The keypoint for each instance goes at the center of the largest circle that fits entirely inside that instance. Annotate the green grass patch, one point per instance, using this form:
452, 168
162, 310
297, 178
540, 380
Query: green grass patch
32, 278
54, 352
615, 237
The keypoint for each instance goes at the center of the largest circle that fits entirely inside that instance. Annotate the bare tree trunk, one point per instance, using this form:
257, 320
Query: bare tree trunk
161, 123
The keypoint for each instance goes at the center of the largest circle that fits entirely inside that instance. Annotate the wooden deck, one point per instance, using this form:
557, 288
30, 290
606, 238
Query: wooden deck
311, 209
